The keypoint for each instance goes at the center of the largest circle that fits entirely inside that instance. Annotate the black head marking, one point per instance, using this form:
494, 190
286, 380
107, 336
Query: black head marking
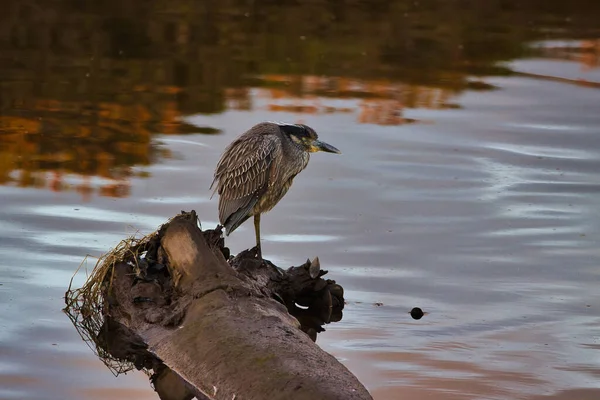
301, 131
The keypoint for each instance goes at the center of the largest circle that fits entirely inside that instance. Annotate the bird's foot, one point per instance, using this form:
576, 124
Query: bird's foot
257, 252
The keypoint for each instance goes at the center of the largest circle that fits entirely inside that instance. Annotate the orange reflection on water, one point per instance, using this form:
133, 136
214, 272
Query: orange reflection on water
380, 102
585, 52
591, 55
59, 145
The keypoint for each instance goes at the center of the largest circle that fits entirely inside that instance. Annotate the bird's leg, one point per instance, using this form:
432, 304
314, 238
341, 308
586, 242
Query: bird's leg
257, 231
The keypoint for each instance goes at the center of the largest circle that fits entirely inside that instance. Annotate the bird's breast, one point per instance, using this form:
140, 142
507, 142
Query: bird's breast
272, 196
280, 182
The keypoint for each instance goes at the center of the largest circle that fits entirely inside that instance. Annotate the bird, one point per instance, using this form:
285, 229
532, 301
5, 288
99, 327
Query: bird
257, 169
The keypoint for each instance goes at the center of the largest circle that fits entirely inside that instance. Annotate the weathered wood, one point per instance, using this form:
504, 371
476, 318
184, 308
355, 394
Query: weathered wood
223, 329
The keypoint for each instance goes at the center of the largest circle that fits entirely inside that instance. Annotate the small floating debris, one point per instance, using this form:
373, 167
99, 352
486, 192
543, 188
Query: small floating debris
417, 313
378, 304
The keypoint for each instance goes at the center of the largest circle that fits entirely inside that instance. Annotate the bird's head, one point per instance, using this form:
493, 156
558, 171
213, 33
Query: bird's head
306, 138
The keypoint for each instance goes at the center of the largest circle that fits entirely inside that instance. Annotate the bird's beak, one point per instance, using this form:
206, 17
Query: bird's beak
317, 145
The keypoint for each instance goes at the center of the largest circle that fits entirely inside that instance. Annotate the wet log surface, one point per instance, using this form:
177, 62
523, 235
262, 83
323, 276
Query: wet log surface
212, 326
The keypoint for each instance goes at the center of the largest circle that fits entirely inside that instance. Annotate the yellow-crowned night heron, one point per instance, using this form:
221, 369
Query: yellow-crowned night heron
257, 169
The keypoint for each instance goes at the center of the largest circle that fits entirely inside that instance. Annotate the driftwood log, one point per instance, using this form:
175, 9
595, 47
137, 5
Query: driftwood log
217, 327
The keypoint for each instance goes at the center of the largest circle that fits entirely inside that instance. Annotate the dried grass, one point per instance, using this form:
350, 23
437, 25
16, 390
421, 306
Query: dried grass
86, 307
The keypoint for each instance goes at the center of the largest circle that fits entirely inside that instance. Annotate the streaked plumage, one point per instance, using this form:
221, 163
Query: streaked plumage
257, 169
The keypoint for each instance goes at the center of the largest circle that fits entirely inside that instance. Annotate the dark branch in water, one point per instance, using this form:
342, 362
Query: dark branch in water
231, 327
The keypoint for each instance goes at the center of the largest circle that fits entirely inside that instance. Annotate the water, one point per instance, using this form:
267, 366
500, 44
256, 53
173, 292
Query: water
468, 183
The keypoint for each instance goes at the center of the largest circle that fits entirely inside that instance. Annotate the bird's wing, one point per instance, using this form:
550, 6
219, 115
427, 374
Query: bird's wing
242, 176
